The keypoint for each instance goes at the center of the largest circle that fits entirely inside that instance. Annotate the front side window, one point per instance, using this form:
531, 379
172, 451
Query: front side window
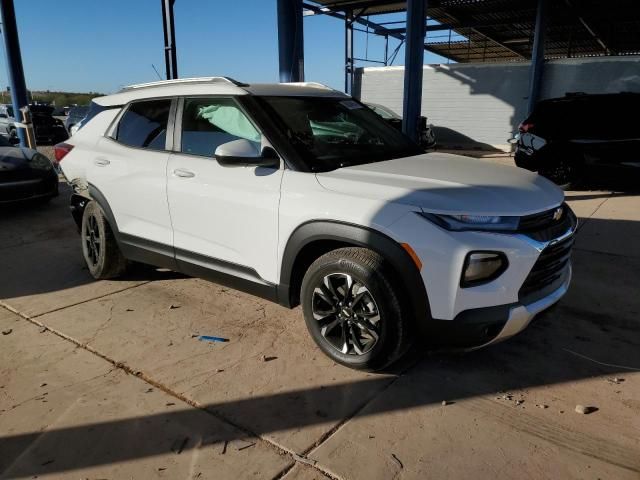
209, 122
330, 133
144, 125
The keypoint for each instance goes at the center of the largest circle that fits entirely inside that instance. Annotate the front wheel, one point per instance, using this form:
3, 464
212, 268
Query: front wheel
353, 311
99, 246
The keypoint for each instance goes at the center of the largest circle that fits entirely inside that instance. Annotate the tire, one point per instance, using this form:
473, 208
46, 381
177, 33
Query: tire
377, 311
99, 247
564, 168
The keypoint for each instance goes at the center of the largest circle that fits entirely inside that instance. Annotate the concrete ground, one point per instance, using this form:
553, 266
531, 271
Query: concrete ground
109, 380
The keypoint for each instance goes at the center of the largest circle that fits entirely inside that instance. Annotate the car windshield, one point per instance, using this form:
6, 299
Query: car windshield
330, 133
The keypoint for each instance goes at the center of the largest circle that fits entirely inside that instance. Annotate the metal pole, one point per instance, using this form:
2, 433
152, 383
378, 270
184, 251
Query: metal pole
290, 41
537, 56
413, 63
168, 26
386, 50
14, 64
348, 52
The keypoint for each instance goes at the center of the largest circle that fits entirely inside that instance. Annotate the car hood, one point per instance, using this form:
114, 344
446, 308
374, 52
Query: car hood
448, 184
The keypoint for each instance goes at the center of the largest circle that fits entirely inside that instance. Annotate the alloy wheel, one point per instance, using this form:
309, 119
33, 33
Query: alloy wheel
347, 314
92, 239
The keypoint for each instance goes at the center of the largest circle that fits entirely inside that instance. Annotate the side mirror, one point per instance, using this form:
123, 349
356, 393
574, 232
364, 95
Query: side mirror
14, 140
243, 153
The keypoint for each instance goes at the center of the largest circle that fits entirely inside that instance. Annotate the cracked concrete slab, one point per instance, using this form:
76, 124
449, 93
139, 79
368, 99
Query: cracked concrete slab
270, 377
303, 472
53, 277
67, 413
508, 410
614, 228
40, 259
584, 204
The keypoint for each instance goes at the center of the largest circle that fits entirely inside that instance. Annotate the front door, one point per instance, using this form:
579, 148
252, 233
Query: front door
224, 218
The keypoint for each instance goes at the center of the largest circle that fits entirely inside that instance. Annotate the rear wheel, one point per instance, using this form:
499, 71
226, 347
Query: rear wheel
352, 310
564, 168
99, 246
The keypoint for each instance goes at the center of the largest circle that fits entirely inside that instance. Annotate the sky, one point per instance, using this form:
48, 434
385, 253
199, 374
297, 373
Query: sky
100, 46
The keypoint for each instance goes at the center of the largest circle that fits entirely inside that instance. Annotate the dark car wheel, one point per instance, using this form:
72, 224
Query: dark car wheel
352, 310
99, 247
562, 167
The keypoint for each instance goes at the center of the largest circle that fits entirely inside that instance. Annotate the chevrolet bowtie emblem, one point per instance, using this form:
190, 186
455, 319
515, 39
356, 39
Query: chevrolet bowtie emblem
557, 215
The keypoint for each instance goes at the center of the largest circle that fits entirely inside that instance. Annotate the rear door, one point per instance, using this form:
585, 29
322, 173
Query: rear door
129, 168
224, 218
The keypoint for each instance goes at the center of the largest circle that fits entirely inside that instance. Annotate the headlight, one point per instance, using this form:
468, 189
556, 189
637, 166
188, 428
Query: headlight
482, 267
473, 222
40, 162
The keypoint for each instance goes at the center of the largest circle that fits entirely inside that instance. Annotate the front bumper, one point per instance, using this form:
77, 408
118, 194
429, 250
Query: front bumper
520, 316
443, 253
481, 327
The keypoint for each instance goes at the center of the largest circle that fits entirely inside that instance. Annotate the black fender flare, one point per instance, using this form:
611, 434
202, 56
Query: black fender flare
398, 258
97, 196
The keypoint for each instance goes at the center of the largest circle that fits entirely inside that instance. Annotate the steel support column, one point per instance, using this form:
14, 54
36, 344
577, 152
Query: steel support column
348, 52
14, 64
290, 41
537, 55
168, 25
413, 63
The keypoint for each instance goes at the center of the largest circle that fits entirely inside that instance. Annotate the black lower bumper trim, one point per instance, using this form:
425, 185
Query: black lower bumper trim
470, 328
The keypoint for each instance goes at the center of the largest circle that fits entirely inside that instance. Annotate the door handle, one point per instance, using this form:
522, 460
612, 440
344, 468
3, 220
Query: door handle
181, 172
101, 162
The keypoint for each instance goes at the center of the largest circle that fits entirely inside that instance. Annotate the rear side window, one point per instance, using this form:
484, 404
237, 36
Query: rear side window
144, 125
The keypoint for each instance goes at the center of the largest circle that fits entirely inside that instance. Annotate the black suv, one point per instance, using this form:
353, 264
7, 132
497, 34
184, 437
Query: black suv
47, 129
566, 138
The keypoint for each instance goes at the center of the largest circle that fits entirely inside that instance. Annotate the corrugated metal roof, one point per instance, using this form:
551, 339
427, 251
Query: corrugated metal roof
502, 30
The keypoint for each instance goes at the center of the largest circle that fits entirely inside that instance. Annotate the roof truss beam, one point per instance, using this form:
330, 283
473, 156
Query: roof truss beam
588, 27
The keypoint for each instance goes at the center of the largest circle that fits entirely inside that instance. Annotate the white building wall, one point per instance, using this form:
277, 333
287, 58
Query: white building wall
481, 105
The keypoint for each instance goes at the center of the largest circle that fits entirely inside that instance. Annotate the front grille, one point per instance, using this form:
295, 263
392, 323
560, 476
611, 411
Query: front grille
543, 227
538, 221
549, 269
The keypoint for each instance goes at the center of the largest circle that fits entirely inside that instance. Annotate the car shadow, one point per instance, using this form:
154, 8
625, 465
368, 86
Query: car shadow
40, 250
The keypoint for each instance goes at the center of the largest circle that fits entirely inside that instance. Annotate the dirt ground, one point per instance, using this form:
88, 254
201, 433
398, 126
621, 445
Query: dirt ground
109, 379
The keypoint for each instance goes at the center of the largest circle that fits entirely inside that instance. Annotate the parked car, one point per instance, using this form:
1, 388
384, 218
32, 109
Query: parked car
567, 138
302, 195
47, 129
427, 135
76, 114
25, 174
60, 111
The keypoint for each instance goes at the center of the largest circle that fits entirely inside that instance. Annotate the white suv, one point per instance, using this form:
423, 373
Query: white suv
303, 195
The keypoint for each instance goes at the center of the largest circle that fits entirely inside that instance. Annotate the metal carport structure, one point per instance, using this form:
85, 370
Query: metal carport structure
483, 31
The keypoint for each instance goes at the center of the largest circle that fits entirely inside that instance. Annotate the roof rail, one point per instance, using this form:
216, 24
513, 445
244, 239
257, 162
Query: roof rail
185, 80
310, 84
